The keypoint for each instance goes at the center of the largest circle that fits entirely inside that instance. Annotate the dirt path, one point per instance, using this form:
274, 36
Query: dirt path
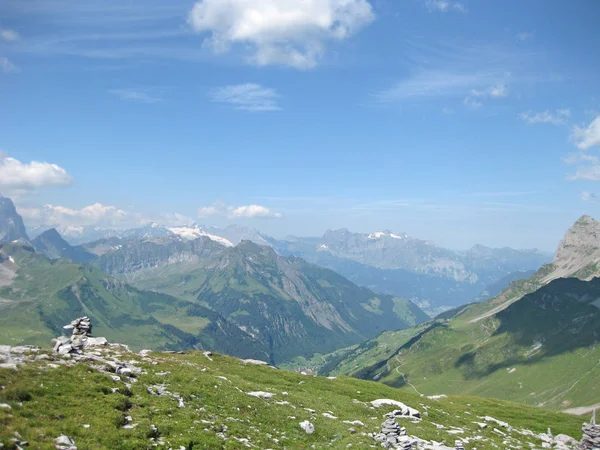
581, 410
404, 376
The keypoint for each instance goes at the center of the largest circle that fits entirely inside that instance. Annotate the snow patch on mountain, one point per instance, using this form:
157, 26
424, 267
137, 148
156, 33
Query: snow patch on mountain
196, 232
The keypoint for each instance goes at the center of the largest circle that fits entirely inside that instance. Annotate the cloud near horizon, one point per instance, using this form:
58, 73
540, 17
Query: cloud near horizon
281, 32
97, 215
17, 178
221, 209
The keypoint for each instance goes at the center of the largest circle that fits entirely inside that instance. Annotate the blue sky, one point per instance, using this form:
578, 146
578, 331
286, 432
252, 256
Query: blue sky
460, 122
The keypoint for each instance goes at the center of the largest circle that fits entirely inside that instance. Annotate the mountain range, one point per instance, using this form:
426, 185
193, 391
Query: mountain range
435, 278
536, 342
186, 289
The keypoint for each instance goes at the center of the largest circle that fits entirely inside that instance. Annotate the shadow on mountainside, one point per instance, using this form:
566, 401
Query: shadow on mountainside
556, 319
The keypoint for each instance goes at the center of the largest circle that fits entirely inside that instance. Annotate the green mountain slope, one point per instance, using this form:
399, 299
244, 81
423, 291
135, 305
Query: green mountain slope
210, 403
38, 296
293, 307
536, 343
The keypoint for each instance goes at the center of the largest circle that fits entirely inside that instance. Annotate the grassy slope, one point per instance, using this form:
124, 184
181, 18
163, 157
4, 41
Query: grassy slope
47, 402
294, 307
45, 295
542, 350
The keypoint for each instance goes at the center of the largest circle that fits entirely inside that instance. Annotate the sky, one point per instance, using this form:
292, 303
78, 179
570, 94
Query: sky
461, 122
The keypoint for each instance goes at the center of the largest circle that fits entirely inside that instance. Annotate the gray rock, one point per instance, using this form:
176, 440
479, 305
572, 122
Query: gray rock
64, 443
308, 427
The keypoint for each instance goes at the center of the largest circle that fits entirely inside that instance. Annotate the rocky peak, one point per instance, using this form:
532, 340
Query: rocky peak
580, 241
11, 223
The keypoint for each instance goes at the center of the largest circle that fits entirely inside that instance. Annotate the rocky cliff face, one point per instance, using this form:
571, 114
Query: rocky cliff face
579, 249
11, 223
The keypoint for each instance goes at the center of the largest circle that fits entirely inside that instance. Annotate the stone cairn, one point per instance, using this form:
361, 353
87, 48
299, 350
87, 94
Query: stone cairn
393, 436
80, 337
591, 435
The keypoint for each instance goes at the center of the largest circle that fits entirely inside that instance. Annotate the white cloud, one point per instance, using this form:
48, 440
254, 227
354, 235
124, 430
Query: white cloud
525, 35
286, 32
9, 35
17, 177
7, 66
474, 99
254, 211
589, 136
472, 103
143, 95
247, 97
232, 212
588, 196
445, 6
96, 215
559, 117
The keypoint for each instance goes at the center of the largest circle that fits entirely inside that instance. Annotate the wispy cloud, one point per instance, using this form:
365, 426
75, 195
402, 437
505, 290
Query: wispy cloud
103, 29
7, 66
588, 165
588, 196
445, 6
9, 35
588, 136
247, 97
559, 117
502, 194
476, 96
436, 83
525, 35
140, 95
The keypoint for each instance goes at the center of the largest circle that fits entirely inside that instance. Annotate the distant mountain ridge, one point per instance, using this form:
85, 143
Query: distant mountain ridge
396, 264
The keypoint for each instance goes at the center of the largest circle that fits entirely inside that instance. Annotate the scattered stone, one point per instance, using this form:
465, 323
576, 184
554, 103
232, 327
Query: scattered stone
5, 406
404, 410
256, 362
498, 422
64, 443
329, 416
307, 426
260, 394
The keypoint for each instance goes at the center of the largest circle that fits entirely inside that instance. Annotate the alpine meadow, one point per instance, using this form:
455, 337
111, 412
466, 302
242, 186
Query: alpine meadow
299, 224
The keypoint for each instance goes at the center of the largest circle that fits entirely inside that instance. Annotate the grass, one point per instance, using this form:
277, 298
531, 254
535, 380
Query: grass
48, 402
542, 351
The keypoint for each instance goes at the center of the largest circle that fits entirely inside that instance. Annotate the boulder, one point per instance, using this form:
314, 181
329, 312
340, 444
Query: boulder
308, 427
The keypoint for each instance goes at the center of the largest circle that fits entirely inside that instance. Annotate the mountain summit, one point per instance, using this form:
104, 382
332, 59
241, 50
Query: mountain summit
580, 246
11, 223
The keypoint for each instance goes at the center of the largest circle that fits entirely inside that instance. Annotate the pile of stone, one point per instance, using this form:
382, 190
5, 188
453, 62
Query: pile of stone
393, 436
591, 435
80, 338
